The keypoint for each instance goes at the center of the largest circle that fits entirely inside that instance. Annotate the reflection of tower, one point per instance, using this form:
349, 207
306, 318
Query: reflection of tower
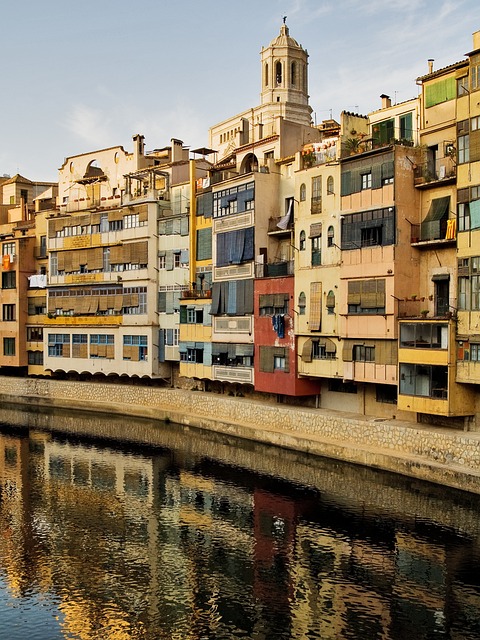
285, 78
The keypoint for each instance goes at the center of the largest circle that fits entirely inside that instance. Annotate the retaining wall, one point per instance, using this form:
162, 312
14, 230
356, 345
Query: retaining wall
436, 454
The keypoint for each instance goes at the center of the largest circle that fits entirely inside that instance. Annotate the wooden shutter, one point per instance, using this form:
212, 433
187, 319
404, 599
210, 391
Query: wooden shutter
315, 306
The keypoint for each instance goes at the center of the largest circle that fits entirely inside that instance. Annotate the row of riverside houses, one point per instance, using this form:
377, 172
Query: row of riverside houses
335, 265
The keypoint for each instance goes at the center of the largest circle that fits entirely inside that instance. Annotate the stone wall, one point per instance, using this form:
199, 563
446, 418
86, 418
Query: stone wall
435, 454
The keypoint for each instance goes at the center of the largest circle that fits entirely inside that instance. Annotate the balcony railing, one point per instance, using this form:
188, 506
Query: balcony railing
197, 293
440, 170
275, 269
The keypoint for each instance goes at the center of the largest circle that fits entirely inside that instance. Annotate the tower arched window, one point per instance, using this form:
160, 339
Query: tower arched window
303, 192
278, 72
303, 240
266, 75
293, 74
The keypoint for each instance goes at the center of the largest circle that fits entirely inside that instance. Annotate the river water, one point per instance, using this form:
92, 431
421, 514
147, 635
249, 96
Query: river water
174, 533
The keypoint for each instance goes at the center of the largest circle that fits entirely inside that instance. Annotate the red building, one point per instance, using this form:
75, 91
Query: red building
275, 351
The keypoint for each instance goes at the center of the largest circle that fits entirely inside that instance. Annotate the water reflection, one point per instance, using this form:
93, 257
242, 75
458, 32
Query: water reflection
199, 537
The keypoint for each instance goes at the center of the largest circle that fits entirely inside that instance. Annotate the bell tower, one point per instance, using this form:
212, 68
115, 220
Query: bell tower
285, 78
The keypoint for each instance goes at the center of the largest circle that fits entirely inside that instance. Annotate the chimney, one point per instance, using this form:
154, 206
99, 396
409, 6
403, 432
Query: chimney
138, 150
386, 101
430, 65
177, 150
476, 40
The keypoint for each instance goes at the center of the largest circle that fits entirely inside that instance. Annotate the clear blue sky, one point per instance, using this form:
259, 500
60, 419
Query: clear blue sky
80, 76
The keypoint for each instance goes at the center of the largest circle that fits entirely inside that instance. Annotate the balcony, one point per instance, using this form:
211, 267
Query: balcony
280, 225
430, 174
244, 375
274, 270
197, 294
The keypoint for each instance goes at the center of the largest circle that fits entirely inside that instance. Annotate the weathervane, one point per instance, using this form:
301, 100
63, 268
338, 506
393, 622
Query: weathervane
284, 19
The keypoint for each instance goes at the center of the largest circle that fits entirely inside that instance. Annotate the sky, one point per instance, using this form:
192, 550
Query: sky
82, 76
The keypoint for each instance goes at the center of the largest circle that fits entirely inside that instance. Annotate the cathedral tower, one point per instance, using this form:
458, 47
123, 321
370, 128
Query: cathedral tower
285, 78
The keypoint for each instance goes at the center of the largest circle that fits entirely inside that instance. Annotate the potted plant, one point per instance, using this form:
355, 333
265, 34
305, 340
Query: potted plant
424, 312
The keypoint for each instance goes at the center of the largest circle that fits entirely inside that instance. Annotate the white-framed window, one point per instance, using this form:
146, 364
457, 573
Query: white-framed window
366, 180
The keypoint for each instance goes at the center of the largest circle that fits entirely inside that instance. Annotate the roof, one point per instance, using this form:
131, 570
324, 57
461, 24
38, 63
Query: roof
17, 178
443, 70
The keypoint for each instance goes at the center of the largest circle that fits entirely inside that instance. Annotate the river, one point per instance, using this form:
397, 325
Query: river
174, 533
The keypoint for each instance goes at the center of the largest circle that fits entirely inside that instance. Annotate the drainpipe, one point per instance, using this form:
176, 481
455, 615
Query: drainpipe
193, 225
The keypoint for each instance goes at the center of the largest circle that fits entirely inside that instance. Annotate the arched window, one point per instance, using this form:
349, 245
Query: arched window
302, 303
266, 75
303, 192
293, 74
331, 302
303, 241
278, 72
330, 185
330, 237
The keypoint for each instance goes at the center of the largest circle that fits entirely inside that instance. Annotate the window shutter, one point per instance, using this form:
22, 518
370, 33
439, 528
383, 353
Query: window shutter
346, 187
307, 351
161, 345
162, 301
315, 306
266, 359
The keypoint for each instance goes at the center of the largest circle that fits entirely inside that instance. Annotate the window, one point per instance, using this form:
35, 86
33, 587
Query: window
316, 251
192, 355
242, 196
463, 141
463, 154
135, 348
106, 259
273, 359
34, 334
131, 221
330, 304
383, 133
171, 337
406, 130
162, 262
469, 284
9, 346
303, 192
386, 393
366, 296
423, 335
354, 228
430, 381
330, 236
337, 385
371, 236
278, 73
363, 353
115, 225
366, 181
194, 316
293, 74
176, 260
8, 248
462, 87
303, 241
59, 345
475, 352
8, 312
9, 279
43, 247
475, 72
35, 357
321, 352
316, 202
273, 304
330, 186
302, 303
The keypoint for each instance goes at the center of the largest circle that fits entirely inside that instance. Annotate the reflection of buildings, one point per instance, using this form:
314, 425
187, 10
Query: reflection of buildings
176, 543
